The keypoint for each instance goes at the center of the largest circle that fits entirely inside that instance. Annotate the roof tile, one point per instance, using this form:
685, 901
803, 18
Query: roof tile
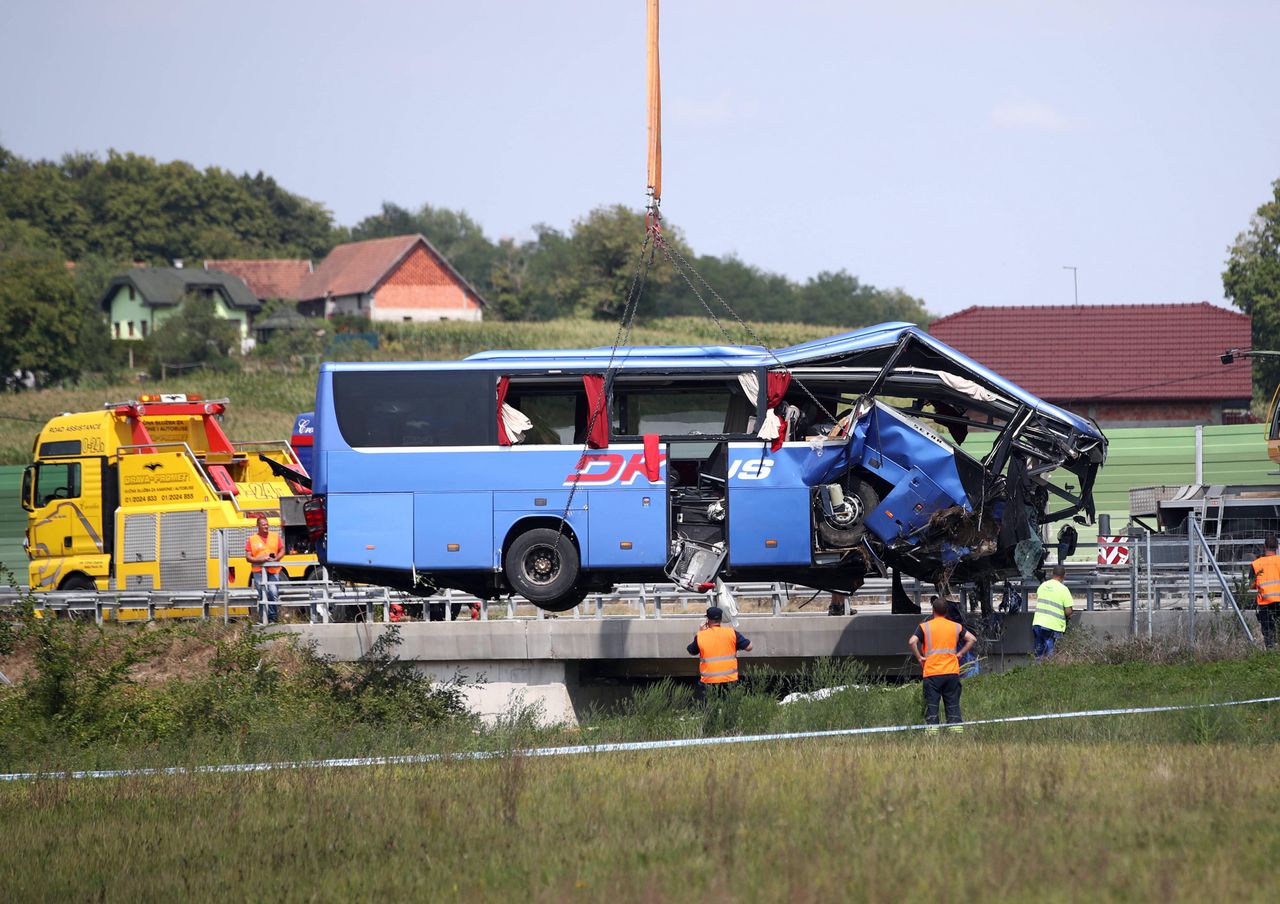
1072, 353
358, 268
267, 278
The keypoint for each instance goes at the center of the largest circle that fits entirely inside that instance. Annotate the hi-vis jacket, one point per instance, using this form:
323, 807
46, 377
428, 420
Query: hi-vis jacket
256, 546
1052, 601
941, 643
717, 654
1266, 577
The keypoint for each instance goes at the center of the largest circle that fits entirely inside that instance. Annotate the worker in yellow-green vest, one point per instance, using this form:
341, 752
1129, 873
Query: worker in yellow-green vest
1053, 608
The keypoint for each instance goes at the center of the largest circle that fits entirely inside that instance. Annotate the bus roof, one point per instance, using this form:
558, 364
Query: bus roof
864, 348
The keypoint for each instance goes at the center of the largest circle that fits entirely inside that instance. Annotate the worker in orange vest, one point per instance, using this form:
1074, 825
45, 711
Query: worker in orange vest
1266, 577
263, 549
716, 647
936, 644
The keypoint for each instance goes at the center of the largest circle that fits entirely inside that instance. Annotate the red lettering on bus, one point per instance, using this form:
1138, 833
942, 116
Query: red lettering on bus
612, 466
635, 468
609, 467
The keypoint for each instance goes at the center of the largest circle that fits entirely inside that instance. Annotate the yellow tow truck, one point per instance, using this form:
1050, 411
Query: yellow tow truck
150, 494
1273, 408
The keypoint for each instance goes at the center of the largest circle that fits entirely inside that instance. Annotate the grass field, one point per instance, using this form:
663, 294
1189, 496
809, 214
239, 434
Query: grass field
1170, 806
265, 397
948, 819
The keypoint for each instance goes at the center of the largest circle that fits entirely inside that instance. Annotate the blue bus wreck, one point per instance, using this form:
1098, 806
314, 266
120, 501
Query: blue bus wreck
555, 473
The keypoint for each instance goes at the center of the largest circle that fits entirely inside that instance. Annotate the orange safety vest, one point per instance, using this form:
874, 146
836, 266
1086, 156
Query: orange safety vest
1266, 577
256, 546
941, 641
718, 654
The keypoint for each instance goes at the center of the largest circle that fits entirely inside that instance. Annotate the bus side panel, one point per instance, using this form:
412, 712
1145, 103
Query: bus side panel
624, 515
453, 531
515, 521
371, 529
760, 514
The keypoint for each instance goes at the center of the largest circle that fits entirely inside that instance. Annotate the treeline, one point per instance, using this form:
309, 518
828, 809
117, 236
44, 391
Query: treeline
128, 207
588, 271
68, 226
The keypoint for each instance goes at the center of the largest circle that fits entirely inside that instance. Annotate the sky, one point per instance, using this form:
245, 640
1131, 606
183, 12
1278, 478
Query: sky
966, 153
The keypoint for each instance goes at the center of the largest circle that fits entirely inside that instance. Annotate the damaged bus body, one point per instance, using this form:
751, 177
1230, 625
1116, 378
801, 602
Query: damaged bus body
555, 473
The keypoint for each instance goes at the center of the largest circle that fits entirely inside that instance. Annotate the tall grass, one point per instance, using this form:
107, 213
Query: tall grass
884, 819
96, 698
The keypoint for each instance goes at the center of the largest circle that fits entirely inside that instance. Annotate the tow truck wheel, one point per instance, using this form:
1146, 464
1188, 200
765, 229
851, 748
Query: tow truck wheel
542, 566
78, 583
844, 529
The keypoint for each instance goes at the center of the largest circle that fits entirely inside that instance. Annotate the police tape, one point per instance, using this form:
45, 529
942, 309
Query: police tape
414, 759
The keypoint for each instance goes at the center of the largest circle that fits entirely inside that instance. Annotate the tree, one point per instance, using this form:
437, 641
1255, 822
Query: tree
840, 299
128, 207
194, 336
42, 329
604, 260
1252, 282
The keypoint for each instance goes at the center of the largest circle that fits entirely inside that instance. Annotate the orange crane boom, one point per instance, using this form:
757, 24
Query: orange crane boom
655, 110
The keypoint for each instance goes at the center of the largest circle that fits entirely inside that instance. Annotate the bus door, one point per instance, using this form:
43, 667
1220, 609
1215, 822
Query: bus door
697, 509
628, 507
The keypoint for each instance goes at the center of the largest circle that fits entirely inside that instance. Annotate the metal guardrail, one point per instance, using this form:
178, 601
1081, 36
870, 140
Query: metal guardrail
1156, 577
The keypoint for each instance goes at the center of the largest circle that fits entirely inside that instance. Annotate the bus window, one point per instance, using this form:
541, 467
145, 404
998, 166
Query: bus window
57, 481
558, 413
388, 409
680, 408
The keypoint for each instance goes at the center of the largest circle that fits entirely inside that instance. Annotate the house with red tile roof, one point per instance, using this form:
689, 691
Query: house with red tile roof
266, 279
399, 278
1122, 365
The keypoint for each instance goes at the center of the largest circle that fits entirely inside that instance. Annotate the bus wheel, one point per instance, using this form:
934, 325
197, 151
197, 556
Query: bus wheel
542, 566
845, 528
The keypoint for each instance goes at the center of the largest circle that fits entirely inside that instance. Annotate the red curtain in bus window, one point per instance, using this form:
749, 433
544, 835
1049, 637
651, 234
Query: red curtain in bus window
503, 383
652, 457
597, 411
775, 390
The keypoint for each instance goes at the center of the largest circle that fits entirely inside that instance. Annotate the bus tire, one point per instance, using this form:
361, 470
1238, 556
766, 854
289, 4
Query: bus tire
843, 533
541, 565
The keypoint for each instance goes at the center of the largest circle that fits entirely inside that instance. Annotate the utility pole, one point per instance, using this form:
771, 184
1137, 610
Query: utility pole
1075, 283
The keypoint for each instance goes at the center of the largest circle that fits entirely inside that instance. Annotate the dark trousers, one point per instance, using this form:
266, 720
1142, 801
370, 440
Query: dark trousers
705, 694
947, 689
1267, 621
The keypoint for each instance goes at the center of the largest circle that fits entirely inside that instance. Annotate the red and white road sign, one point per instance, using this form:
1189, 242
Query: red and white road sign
1113, 551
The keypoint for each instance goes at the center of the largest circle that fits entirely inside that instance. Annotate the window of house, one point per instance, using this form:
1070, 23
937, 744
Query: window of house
117, 328
57, 481
132, 294
682, 406
130, 329
144, 329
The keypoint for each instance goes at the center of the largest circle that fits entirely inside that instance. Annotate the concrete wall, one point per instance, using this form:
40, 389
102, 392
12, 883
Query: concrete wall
560, 664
